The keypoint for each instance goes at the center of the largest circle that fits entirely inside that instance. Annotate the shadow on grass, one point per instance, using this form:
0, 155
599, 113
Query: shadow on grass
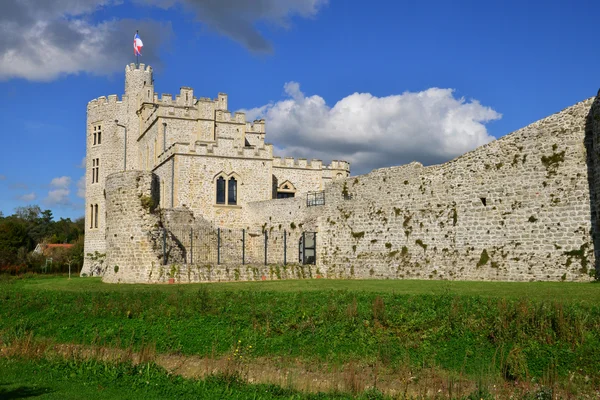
23, 392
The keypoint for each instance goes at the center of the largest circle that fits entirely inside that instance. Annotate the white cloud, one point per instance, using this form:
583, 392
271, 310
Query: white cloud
27, 197
81, 187
42, 40
59, 192
82, 163
431, 126
62, 182
58, 197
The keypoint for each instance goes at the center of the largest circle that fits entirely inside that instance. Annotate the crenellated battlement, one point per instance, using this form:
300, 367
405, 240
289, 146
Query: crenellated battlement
338, 165
291, 162
225, 116
139, 67
223, 147
257, 126
104, 100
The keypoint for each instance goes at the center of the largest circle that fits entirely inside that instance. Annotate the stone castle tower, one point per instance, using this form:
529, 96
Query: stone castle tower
206, 159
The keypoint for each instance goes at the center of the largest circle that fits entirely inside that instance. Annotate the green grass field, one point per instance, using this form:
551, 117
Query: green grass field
547, 333
550, 291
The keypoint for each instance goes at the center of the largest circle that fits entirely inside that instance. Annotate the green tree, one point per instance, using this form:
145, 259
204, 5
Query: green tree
14, 241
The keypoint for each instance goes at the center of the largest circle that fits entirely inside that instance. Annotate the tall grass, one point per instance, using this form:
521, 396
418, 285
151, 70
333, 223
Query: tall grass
521, 339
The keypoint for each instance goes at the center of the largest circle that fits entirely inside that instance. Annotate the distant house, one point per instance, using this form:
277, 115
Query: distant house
49, 249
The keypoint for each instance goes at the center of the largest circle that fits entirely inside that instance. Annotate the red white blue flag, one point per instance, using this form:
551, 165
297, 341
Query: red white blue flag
137, 45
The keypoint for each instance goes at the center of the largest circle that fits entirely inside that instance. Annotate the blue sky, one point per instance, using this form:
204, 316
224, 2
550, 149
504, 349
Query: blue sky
377, 83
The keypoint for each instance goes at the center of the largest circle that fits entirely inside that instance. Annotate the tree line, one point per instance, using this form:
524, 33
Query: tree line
29, 226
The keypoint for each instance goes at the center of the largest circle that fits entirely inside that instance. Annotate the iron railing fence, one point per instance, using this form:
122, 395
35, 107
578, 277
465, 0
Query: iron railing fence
232, 246
315, 198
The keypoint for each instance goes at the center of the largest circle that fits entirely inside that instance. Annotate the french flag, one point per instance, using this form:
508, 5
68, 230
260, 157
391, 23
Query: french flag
137, 45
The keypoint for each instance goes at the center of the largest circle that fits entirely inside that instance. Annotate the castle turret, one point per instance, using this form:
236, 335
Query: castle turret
137, 78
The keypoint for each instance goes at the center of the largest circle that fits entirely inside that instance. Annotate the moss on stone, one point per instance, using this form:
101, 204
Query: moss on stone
358, 235
552, 162
483, 259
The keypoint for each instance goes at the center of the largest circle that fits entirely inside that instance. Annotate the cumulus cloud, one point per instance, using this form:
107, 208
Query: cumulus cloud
82, 163
29, 197
81, 187
58, 197
62, 182
42, 40
59, 192
237, 19
431, 126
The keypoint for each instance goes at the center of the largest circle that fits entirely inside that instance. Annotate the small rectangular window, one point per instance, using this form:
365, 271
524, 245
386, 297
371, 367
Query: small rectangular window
284, 195
97, 134
95, 215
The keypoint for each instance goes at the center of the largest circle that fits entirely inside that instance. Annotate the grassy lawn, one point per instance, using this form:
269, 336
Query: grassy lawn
516, 332
549, 291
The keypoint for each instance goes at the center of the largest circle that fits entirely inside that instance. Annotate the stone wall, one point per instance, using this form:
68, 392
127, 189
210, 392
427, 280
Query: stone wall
523, 207
516, 209
132, 230
202, 139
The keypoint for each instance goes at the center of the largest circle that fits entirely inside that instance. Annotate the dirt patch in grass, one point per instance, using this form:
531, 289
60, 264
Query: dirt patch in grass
297, 374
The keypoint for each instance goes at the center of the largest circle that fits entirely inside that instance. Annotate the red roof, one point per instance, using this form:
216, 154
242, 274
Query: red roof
59, 245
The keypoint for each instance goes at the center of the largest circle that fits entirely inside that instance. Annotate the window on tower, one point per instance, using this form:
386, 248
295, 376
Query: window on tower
220, 190
97, 134
227, 189
232, 192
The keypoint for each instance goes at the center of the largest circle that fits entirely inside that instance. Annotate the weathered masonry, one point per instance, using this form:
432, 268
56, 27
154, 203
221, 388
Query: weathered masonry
521, 208
205, 159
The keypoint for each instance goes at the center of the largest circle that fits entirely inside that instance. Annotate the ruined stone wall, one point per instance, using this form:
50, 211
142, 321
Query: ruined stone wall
592, 144
131, 228
515, 209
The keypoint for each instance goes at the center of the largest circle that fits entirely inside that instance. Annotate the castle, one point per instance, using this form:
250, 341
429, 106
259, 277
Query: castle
521, 208
206, 159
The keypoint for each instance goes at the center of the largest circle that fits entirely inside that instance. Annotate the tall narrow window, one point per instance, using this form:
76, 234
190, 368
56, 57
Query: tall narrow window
94, 169
232, 192
91, 216
220, 190
95, 215
97, 170
97, 134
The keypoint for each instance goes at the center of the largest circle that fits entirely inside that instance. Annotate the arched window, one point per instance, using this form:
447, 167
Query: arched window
286, 190
220, 190
232, 191
227, 188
